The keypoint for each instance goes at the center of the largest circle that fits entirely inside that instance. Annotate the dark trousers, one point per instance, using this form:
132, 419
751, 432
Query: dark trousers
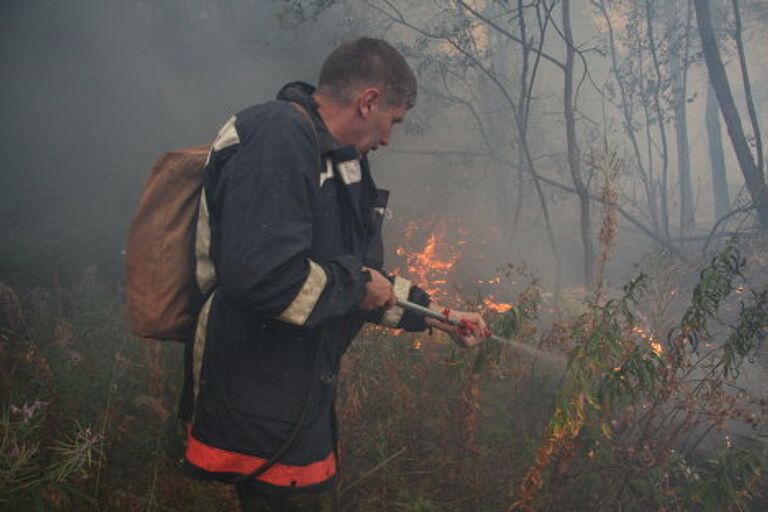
251, 500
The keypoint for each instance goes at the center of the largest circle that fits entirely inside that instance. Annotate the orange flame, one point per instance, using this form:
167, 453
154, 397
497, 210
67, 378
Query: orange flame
430, 265
650, 338
498, 307
431, 252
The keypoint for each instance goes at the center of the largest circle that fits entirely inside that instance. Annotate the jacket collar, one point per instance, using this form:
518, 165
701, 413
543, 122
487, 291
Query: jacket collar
361, 197
301, 93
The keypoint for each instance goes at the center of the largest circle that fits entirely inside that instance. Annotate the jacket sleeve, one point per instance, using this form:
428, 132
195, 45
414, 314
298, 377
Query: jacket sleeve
266, 196
397, 317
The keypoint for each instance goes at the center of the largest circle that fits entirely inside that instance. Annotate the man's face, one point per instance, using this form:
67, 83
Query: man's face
376, 128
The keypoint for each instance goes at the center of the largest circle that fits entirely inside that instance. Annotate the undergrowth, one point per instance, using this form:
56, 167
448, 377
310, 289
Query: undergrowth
630, 400
638, 420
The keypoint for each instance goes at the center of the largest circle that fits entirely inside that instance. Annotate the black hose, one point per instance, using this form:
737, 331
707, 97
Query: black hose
280, 453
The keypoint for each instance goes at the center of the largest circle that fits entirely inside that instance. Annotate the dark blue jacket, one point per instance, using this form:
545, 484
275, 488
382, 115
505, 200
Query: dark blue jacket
288, 218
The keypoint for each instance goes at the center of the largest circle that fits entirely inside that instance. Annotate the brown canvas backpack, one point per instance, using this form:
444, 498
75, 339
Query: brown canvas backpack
163, 298
162, 293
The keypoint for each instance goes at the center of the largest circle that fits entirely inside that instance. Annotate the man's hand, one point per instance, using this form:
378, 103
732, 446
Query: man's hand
378, 292
471, 330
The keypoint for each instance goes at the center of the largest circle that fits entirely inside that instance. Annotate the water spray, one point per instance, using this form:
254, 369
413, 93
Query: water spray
547, 357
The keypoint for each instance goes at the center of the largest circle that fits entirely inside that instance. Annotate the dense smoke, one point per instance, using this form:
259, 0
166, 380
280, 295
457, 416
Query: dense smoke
94, 91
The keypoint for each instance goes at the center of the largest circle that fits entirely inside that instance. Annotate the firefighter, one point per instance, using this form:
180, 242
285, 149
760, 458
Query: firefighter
289, 252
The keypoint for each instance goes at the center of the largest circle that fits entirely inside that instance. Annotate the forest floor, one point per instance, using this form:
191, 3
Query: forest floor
88, 411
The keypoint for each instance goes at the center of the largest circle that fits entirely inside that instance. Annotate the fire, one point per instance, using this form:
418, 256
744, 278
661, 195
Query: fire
498, 307
430, 264
430, 253
650, 338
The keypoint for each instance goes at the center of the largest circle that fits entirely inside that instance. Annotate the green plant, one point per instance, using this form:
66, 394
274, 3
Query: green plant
29, 471
728, 482
629, 399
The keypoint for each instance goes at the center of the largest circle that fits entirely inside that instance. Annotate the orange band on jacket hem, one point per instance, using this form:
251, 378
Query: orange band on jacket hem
217, 460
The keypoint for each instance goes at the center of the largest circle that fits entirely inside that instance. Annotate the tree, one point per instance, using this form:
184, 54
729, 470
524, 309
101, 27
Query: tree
452, 40
626, 80
716, 157
679, 61
738, 39
660, 117
574, 157
753, 176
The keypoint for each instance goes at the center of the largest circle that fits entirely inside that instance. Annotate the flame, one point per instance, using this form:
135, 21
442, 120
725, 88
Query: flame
498, 307
650, 338
430, 253
429, 265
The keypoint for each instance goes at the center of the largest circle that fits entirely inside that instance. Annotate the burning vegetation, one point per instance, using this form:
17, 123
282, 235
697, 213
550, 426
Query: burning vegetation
430, 263
431, 255
636, 417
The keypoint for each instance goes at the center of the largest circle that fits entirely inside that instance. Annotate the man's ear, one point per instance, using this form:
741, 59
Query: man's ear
368, 101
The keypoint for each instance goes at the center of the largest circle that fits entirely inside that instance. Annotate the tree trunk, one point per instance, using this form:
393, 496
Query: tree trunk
679, 69
653, 201
628, 120
522, 134
716, 157
757, 138
523, 112
664, 188
574, 157
753, 177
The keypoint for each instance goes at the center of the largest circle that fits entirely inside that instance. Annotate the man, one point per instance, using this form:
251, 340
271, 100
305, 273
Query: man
289, 253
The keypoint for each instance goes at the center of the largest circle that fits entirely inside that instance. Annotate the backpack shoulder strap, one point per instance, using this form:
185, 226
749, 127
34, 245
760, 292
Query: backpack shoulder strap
305, 114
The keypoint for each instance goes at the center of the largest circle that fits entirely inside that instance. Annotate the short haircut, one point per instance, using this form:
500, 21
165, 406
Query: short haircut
365, 62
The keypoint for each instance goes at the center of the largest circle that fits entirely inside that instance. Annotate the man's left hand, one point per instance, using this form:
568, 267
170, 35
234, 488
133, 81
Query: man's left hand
471, 330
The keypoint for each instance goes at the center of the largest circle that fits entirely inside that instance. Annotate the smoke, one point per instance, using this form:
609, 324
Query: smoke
94, 91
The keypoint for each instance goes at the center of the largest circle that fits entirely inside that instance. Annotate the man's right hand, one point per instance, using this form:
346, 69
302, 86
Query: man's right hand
379, 293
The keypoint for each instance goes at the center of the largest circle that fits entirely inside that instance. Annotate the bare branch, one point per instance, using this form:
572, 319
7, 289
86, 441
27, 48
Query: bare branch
508, 34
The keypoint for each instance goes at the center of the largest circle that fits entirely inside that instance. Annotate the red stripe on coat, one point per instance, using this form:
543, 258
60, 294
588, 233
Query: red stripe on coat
217, 460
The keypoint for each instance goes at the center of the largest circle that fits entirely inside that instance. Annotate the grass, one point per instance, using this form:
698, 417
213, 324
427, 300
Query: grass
88, 411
